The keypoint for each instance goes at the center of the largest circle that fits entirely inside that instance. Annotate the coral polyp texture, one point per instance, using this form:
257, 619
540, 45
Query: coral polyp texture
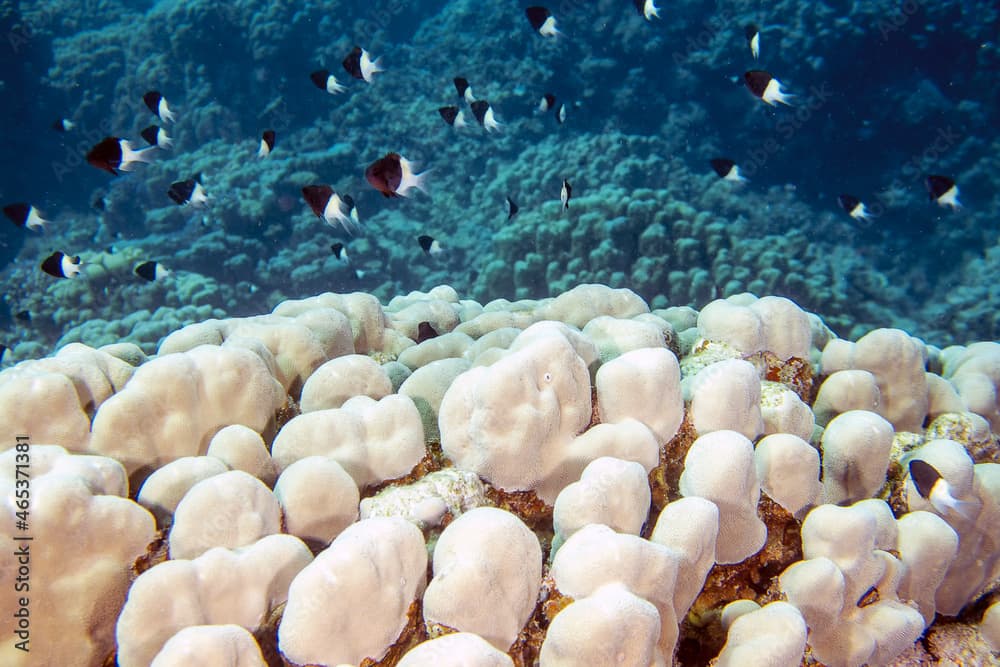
574, 480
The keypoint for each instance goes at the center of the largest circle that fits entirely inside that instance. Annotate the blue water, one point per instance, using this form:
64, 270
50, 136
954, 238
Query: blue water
885, 94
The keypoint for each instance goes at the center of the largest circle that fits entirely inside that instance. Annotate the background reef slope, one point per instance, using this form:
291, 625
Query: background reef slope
884, 96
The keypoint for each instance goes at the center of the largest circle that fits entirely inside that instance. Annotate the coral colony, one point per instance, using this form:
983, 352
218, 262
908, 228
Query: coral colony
570, 481
484, 334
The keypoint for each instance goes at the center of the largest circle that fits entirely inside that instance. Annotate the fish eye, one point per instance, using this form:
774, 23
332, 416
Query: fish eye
547, 377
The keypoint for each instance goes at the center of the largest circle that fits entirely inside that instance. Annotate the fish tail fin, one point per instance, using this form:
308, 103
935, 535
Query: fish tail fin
130, 155
352, 227
36, 222
370, 68
411, 179
967, 509
947, 505
491, 123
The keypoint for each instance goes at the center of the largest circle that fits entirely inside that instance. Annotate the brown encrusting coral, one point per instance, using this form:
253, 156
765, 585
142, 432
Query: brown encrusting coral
796, 374
526, 505
753, 579
525, 650
412, 634
433, 461
664, 477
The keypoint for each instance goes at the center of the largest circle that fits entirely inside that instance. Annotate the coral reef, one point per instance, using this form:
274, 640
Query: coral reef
572, 511
671, 420
646, 214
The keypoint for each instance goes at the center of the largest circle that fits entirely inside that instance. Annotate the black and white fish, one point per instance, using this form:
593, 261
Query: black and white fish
352, 210
453, 116
561, 113
157, 136
464, 89
360, 65
429, 245
727, 169
752, 33
943, 190
114, 154
63, 125
151, 271
188, 192
157, 103
547, 102
339, 251
854, 207
512, 208
393, 175
61, 265
329, 207
425, 331
25, 215
647, 9
266, 143
766, 87
248, 286
935, 489
565, 194
323, 80
542, 21
483, 112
